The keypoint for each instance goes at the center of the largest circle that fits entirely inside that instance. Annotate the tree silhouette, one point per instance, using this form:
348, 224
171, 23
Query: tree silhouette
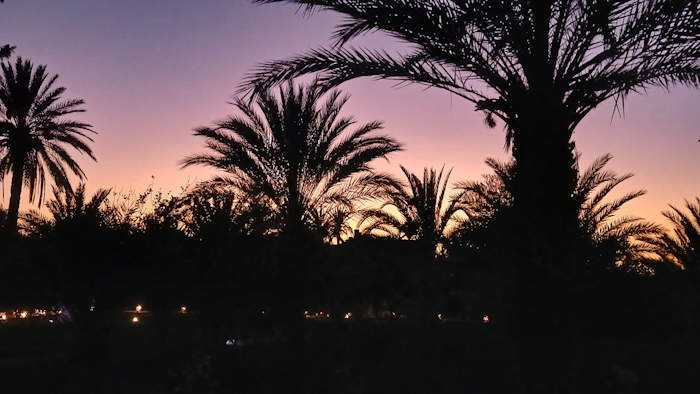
546, 65
487, 204
332, 221
34, 135
683, 247
6, 50
419, 213
208, 210
622, 240
294, 153
71, 210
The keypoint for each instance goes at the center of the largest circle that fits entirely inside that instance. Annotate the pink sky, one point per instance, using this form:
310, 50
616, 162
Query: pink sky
151, 71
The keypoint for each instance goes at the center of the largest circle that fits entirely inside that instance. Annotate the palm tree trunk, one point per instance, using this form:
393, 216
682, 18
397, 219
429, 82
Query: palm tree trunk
294, 226
544, 238
544, 241
15, 194
546, 215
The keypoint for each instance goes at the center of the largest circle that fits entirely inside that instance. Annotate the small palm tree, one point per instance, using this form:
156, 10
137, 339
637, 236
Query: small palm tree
626, 235
419, 213
485, 204
683, 248
335, 223
624, 239
295, 153
34, 135
6, 50
70, 208
208, 209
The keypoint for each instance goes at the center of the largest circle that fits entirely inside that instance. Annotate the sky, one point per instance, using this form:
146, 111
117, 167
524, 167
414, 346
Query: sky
151, 71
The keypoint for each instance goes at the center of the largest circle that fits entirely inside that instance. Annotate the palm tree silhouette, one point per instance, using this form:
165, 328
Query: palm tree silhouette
295, 154
546, 64
625, 236
208, 210
70, 209
333, 221
34, 135
683, 248
625, 239
6, 50
419, 213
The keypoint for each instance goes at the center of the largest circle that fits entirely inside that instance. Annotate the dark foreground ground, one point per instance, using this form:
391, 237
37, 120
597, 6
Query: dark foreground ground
371, 356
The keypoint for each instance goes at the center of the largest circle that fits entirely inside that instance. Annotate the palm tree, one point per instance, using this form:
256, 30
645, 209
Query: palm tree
210, 210
487, 205
34, 135
622, 240
546, 64
333, 221
419, 213
683, 248
295, 154
6, 50
70, 209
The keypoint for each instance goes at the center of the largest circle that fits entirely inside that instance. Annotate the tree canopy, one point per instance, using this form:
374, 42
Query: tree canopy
291, 150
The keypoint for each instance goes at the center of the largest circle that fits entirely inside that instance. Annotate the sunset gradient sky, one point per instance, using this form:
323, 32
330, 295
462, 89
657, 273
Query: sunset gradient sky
151, 71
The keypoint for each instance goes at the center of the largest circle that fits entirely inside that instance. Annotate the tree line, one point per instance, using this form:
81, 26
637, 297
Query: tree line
537, 242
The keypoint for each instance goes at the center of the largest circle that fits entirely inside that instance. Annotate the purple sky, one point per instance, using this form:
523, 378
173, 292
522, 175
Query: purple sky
151, 71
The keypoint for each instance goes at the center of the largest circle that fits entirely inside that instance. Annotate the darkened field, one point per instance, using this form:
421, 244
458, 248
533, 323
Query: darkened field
336, 357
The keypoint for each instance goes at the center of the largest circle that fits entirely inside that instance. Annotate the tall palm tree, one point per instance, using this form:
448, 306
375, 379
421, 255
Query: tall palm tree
419, 213
683, 247
33, 134
625, 239
546, 64
70, 208
295, 153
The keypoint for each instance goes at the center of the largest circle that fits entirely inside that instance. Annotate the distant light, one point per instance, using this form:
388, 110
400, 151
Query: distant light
347, 315
263, 312
3, 316
23, 315
440, 316
135, 319
139, 308
183, 309
486, 319
231, 342
92, 308
50, 320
